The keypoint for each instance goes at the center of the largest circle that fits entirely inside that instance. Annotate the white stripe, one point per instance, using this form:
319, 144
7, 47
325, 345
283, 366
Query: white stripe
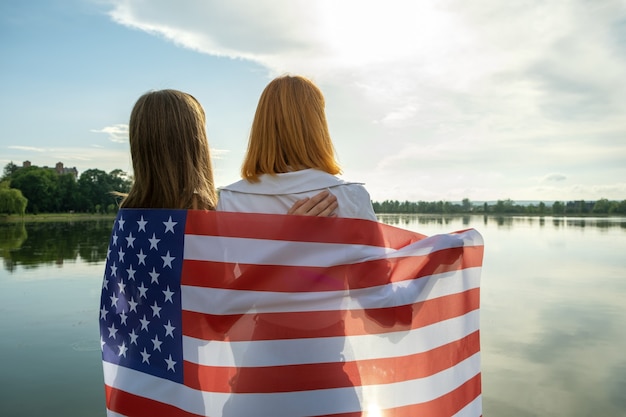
290, 253
423, 389
159, 389
276, 252
220, 301
329, 349
292, 404
473, 409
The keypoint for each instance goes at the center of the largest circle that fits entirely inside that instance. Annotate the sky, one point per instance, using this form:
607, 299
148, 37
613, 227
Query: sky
426, 101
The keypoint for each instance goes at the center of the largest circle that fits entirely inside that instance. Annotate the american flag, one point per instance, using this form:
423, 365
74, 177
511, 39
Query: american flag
236, 314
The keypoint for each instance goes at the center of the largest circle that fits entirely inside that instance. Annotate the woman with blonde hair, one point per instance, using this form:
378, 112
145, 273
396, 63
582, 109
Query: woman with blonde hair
291, 156
172, 162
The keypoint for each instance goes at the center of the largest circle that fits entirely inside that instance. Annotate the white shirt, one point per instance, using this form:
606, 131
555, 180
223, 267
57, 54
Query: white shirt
275, 194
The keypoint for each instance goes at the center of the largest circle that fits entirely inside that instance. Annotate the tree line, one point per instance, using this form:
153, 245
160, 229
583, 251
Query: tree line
508, 206
43, 190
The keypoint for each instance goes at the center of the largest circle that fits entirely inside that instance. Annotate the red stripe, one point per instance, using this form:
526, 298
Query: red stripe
298, 228
314, 324
446, 405
131, 405
279, 278
306, 377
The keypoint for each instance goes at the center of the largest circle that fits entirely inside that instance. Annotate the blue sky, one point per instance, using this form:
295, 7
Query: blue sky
429, 100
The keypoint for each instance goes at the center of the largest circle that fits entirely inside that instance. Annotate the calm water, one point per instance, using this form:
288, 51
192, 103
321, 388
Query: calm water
553, 315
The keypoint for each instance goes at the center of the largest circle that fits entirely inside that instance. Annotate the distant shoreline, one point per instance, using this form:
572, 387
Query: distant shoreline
57, 217
598, 215
53, 217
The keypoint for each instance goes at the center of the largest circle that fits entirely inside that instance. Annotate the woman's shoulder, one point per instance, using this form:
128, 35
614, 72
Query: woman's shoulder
294, 182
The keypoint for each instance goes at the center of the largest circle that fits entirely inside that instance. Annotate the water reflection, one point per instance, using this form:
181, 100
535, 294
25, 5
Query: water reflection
33, 244
552, 314
403, 220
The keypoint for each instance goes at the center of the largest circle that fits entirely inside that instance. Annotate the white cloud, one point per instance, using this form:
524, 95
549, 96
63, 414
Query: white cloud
117, 133
516, 89
27, 148
554, 178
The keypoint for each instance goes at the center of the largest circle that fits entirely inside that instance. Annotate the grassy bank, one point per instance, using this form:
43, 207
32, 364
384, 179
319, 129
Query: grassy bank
53, 217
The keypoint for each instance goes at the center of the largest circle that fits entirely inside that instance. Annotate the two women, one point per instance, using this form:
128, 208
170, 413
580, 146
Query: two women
171, 158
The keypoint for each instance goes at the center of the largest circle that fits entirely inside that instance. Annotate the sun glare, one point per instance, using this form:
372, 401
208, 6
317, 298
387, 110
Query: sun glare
372, 31
374, 411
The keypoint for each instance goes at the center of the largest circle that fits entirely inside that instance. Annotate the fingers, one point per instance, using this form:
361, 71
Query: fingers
330, 210
322, 204
298, 208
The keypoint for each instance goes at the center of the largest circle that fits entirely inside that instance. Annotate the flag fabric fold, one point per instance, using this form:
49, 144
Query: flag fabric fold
238, 314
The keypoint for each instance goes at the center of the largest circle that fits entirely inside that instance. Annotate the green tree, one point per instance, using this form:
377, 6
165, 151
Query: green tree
96, 186
12, 201
504, 206
542, 208
39, 186
68, 194
120, 181
558, 208
601, 206
466, 205
9, 169
621, 207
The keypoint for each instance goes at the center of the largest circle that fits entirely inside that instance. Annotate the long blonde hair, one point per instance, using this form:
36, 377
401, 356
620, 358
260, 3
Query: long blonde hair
289, 131
170, 153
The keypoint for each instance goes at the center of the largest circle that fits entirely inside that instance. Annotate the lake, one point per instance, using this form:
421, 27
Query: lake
553, 314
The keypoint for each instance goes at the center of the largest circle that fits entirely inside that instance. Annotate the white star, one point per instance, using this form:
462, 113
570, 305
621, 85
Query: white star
133, 337
169, 225
120, 255
145, 356
114, 300
112, 331
133, 305
156, 310
142, 291
154, 242
170, 363
155, 276
168, 294
144, 323
114, 238
113, 270
105, 283
103, 313
142, 257
130, 240
123, 349
121, 222
102, 343
131, 273
169, 329
156, 343
122, 287
123, 317
142, 224
167, 260
108, 253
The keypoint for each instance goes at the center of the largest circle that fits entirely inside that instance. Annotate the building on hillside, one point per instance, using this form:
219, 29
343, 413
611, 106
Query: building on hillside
59, 168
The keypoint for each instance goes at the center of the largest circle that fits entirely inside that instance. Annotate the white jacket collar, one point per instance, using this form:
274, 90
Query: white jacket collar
288, 183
